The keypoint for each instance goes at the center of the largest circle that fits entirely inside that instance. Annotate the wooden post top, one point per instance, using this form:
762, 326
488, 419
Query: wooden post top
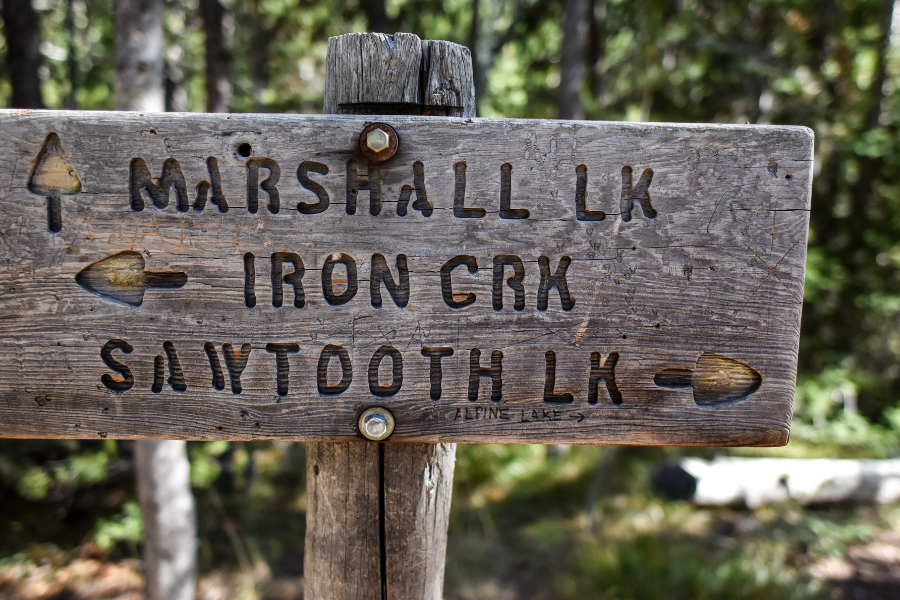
399, 74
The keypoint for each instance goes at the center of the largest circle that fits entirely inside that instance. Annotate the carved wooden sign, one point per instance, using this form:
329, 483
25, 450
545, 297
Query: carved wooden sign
272, 277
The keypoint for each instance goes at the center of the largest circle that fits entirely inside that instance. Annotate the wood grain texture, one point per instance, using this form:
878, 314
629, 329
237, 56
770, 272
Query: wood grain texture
448, 88
343, 549
418, 486
399, 74
373, 68
342, 557
719, 269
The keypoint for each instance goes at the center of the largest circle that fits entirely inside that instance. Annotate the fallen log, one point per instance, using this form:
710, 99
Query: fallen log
753, 482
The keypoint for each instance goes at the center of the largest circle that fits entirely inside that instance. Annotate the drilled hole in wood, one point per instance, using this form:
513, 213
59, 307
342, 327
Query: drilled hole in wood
244, 150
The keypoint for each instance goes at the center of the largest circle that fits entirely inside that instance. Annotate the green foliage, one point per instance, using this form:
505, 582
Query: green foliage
577, 527
127, 527
91, 42
60, 490
653, 566
35, 479
486, 469
34, 483
205, 466
830, 538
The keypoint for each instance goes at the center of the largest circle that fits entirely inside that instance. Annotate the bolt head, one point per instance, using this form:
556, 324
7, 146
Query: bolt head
376, 424
377, 140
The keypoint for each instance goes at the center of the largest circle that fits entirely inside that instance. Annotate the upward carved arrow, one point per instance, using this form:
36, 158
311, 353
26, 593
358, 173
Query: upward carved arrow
52, 176
122, 277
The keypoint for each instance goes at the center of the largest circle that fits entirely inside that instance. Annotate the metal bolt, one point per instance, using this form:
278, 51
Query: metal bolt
376, 423
377, 140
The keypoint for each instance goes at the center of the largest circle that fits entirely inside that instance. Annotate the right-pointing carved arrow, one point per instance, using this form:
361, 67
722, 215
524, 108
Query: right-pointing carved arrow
716, 380
122, 277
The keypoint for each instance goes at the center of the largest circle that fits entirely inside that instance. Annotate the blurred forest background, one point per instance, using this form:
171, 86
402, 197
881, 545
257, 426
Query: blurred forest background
528, 522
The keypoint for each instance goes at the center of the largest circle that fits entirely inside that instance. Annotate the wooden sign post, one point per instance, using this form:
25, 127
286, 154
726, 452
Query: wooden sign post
390, 540
249, 277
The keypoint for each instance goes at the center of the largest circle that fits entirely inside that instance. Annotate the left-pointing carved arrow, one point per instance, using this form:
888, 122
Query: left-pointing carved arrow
122, 277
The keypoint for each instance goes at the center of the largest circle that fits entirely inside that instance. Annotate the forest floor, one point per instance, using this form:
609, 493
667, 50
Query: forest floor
528, 523
866, 571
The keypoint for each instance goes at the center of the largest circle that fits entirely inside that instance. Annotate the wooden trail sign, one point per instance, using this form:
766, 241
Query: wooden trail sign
262, 277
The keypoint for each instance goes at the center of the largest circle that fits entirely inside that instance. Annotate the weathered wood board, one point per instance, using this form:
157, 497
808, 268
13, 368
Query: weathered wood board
560, 281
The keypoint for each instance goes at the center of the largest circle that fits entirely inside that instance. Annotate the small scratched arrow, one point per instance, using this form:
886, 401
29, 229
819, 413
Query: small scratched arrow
578, 416
52, 176
716, 380
122, 277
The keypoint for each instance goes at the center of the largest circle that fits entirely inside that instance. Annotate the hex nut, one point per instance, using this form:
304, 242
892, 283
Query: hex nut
376, 424
378, 142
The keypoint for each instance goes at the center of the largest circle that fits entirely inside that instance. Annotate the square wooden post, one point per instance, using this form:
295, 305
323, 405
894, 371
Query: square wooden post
378, 512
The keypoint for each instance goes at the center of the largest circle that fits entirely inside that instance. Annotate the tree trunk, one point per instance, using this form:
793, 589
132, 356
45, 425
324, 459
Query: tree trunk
138, 58
23, 53
170, 522
479, 72
597, 47
876, 88
376, 521
259, 45
218, 84
163, 471
176, 99
71, 58
376, 14
571, 63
